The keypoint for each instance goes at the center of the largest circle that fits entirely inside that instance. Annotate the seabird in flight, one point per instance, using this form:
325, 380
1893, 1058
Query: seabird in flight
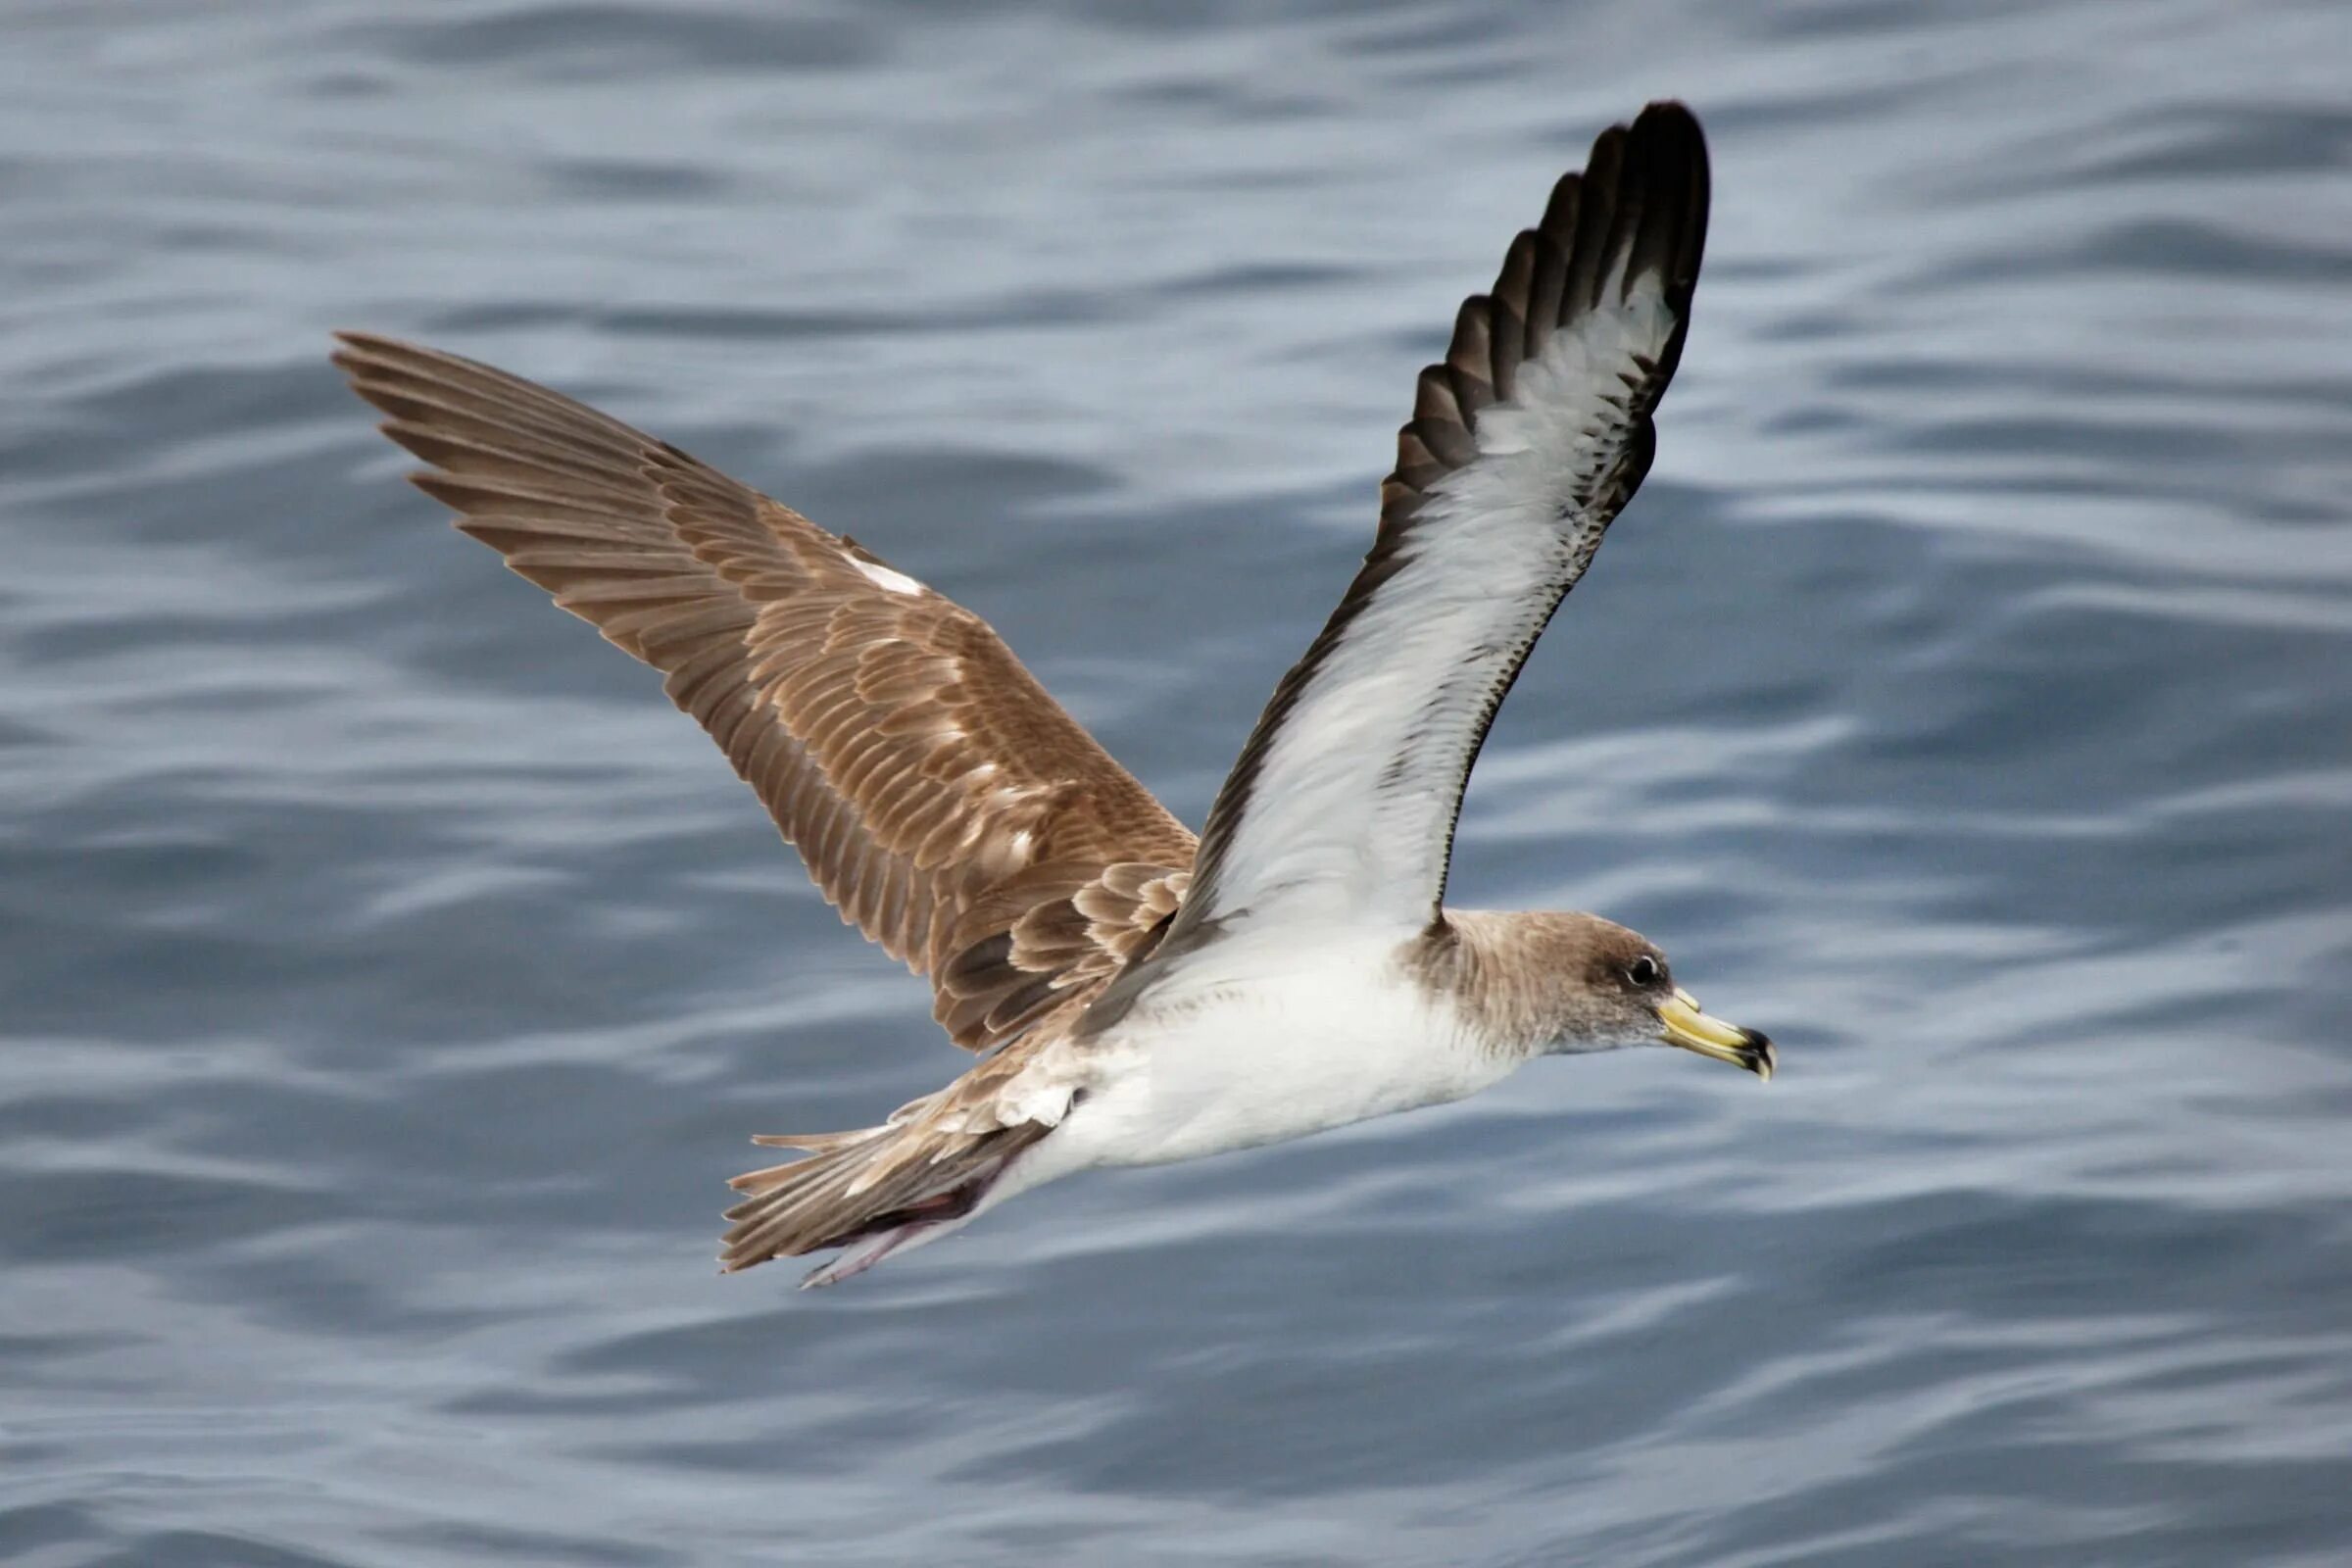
1135, 994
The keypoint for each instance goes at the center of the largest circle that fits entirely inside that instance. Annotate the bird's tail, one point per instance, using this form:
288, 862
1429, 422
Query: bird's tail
881, 1186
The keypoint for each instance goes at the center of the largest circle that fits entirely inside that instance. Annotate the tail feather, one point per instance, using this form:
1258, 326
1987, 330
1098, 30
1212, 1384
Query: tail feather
852, 1185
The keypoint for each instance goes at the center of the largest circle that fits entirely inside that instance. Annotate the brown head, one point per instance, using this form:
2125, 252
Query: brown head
1543, 983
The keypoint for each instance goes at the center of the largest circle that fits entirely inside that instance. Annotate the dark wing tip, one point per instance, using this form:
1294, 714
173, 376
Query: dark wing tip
1668, 116
1636, 208
1666, 163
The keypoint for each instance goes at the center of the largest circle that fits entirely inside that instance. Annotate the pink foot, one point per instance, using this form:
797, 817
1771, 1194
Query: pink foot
865, 1256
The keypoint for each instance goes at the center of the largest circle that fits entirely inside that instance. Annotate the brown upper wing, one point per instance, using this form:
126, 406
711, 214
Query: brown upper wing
943, 803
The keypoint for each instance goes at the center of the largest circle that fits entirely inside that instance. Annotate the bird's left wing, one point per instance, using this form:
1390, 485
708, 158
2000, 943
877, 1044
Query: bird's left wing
941, 799
1524, 445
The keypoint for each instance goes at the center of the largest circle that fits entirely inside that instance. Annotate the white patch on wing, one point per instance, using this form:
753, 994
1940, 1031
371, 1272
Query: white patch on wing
1347, 818
881, 576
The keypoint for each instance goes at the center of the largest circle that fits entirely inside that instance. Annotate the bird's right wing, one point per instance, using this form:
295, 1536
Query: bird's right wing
1525, 443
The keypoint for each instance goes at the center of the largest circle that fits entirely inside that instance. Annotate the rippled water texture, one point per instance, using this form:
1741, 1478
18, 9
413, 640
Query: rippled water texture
390, 978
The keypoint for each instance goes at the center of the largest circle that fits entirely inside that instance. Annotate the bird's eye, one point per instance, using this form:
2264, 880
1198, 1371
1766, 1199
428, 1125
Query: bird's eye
1642, 971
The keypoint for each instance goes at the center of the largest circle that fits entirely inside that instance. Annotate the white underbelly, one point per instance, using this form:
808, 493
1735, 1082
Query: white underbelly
1332, 1038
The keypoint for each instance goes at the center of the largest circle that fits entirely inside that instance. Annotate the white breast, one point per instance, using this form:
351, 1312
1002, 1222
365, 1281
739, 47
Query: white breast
1259, 1045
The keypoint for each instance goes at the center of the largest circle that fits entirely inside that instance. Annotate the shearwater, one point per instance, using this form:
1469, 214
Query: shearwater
1137, 995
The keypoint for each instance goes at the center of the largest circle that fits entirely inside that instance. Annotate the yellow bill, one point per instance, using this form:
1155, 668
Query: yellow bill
1684, 1025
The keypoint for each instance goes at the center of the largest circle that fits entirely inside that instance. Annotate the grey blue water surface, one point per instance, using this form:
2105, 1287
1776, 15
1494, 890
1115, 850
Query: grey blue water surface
388, 978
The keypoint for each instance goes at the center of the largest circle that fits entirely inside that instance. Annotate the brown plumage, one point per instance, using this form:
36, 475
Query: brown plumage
940, 800
954, 814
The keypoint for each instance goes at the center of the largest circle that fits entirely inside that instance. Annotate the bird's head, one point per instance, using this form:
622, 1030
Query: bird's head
1584, 984
1637, 1002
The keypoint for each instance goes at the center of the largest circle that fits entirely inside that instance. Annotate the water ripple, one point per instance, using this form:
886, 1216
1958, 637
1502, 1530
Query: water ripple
392, 980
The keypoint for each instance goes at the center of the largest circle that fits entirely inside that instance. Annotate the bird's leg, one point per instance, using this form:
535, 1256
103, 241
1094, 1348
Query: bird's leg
877, 1247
